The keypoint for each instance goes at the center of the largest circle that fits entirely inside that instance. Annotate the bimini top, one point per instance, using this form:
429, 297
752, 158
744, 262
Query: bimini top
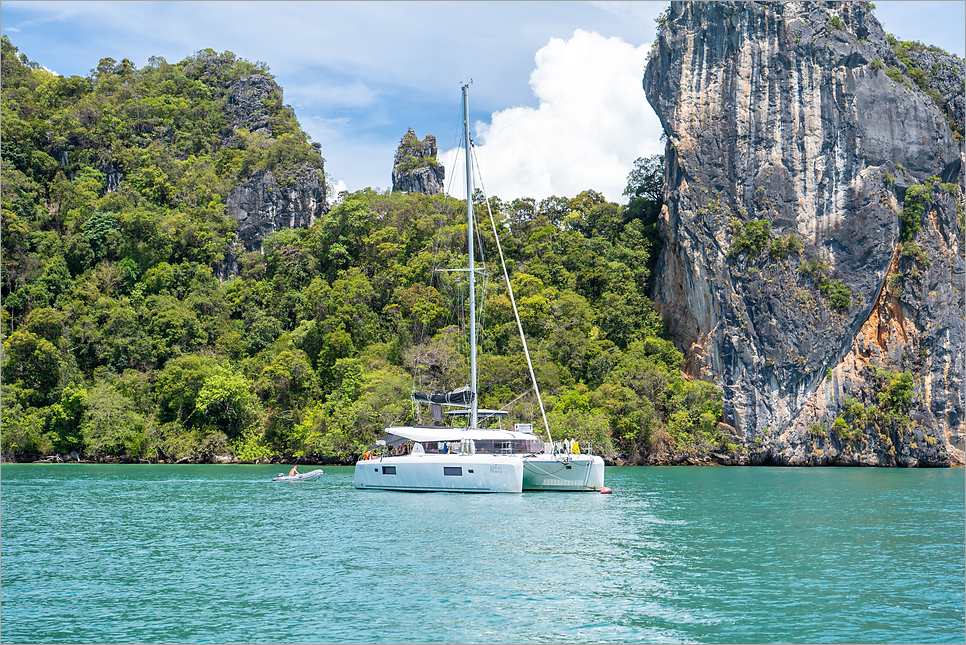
400, 434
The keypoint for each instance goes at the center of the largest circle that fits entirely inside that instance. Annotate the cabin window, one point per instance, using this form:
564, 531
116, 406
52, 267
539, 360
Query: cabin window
388, 470
453, 471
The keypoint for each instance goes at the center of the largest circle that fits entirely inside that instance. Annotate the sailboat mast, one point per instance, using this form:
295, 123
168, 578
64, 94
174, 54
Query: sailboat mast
472, 271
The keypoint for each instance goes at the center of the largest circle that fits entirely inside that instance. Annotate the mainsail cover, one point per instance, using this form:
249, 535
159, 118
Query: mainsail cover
461, 396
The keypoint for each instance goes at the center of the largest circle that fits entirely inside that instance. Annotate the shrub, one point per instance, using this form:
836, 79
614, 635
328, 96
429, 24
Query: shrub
411, 162
917, 197
815, 268
782, 246
817, 430
895, 285
841, 427
749, 236
839, 296
911, 250
898, 390
895, 74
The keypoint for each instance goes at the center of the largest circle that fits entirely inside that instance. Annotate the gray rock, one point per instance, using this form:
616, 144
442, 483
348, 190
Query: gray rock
247, 105
944, 73
778, 112
415, 169
262, 205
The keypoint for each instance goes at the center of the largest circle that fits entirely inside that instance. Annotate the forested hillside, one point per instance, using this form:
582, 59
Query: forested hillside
120, 340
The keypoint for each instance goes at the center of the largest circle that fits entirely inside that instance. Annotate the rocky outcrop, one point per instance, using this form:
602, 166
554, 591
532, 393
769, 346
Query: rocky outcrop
263, 204
290, 195
415, 169
791, 274
938, 73
247, 101
250, 101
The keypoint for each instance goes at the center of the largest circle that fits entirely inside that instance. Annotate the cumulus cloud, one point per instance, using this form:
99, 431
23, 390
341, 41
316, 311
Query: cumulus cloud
333, 188
592, 122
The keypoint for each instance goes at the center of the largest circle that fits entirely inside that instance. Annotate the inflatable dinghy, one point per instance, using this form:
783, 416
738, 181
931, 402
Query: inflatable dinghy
301, 477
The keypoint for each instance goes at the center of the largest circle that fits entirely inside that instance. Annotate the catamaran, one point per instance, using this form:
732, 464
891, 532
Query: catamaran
474, 458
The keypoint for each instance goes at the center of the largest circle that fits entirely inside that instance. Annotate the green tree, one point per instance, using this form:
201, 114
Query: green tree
178, 386
226, 402
63, 420
32, 365
111, 423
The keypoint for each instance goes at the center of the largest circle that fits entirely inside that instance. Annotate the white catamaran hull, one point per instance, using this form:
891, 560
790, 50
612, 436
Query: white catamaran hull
452, 473
563, 472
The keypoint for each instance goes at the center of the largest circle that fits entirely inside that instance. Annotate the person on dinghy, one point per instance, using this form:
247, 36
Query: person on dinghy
294, 471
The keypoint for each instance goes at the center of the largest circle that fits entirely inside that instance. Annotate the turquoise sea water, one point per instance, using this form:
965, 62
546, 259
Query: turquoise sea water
218, 554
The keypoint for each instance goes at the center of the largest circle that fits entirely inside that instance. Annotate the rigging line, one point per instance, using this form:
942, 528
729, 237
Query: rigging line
516, 314
482, 255
457, 146
506, 408
482, 307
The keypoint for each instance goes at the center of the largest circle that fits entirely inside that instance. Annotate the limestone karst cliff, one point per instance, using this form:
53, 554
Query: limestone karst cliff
415, 169
270, 199
813, 227
264, 204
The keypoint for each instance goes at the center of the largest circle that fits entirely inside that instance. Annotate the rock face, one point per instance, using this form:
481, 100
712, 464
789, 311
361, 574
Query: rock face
796, 271
246, 102
265, 203
415, 169
262, 204
943, 73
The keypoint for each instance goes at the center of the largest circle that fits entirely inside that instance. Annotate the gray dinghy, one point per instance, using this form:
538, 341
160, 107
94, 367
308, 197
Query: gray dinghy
301, 477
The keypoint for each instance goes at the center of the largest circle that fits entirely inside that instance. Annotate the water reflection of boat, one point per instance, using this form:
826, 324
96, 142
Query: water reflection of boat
474, 458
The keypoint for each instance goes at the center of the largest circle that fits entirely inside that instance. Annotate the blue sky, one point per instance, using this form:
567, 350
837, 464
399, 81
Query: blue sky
556, 95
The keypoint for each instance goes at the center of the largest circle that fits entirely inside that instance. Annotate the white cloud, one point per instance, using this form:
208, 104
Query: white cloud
334, 188
593, 121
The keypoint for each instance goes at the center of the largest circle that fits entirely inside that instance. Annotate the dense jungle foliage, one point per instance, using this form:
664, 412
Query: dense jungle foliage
120, 341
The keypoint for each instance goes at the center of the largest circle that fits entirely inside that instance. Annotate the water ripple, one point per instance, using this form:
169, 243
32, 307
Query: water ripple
204, 554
